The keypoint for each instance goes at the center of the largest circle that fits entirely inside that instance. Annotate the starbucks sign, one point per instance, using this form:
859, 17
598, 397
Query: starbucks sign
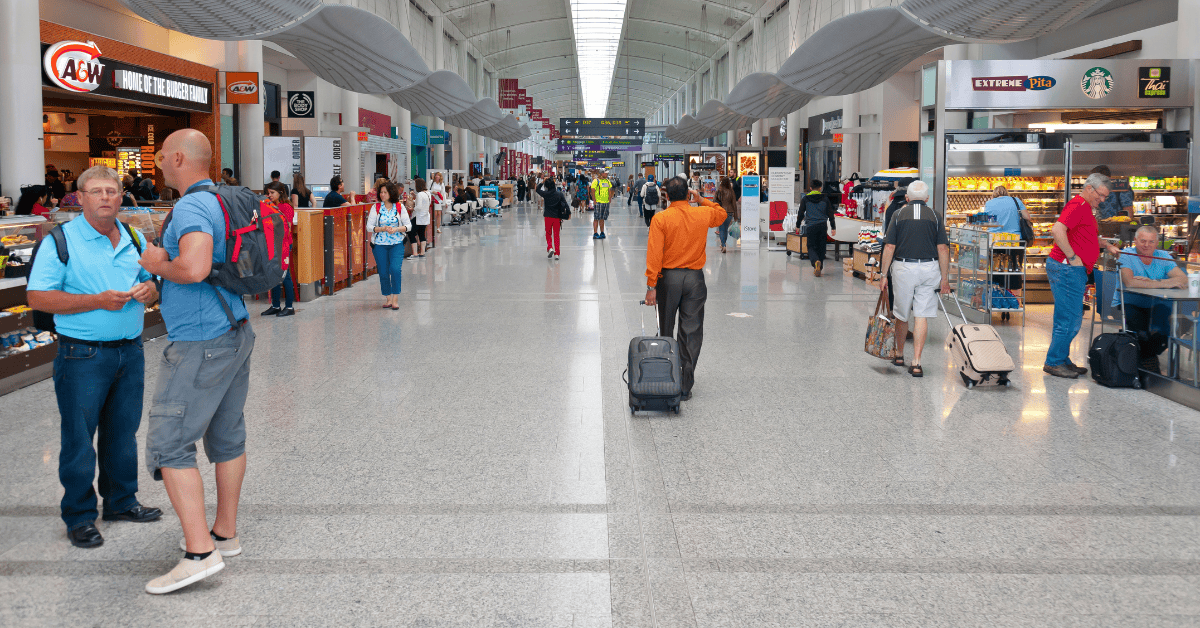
1097, 83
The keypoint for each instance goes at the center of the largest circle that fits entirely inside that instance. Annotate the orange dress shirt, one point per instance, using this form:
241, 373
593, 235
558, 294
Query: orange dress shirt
678, 235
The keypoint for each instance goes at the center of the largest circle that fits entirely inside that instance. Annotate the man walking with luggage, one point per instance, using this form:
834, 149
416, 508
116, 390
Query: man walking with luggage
98, 300
916, 251
1076, 248
204, 375
674, 269
817, 212
600, 193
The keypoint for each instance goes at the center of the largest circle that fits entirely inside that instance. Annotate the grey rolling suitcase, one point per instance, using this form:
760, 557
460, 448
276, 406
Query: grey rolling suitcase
655, 373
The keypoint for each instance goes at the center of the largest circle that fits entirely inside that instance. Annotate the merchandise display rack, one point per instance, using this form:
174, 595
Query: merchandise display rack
977, 262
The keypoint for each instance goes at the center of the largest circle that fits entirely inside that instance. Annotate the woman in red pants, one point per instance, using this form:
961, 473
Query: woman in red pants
557, 210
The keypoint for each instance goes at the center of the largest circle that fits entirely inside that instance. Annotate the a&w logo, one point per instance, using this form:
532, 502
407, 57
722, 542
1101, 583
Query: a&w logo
74, 65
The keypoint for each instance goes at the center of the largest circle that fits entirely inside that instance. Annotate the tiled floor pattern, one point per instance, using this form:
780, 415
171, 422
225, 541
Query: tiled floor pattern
470, 461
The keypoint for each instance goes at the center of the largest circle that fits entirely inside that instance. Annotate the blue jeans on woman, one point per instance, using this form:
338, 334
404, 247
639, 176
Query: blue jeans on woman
723, 230
389, 260
1068, 284
99, 391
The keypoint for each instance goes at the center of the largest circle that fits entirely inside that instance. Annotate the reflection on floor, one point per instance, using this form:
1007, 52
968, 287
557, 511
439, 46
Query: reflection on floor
469, 460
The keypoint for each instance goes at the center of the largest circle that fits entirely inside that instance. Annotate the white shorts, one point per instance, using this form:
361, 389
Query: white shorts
915, 285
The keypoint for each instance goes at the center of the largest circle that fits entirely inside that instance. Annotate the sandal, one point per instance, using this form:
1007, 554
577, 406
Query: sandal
898, 360
916, 371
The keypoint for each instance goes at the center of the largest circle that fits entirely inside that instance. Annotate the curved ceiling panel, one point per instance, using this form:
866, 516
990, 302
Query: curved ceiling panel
339, 44
222, 19
762, 95
995, 20
857, 52
351, 48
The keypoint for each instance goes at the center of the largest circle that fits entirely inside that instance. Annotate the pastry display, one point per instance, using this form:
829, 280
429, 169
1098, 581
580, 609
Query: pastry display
1021, 184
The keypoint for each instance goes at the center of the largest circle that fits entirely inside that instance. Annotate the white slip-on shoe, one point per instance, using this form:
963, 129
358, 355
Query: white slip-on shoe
185, 573
227, 548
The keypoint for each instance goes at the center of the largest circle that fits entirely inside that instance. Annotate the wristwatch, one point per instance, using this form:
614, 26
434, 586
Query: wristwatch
1072, 258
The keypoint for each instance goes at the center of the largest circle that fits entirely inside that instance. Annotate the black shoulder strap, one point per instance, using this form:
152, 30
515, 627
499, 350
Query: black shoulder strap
60, 243
137, 240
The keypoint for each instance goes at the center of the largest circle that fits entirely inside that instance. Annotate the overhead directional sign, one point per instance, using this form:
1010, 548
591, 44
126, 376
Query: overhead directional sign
573, 143
602, 127
596, 154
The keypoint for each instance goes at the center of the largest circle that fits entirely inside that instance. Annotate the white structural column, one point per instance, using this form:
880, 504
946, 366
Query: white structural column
250, 121
850, 141
438, 152
404, 120
1188, 48
731, 50
352, 174
797, 29
22, 148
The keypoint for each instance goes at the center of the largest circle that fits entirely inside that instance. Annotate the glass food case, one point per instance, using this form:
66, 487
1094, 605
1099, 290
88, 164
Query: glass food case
18, 235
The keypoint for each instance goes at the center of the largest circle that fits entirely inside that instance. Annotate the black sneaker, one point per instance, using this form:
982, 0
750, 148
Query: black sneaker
286, 312
271, 311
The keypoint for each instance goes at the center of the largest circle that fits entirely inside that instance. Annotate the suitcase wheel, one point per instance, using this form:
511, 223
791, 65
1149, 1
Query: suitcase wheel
789, 253
1006, 383
967, 380
676, 408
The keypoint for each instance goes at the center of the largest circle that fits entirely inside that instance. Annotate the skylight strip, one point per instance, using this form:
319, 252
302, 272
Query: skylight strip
597, 25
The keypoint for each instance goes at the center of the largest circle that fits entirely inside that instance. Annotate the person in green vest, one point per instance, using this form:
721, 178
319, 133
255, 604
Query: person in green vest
601, 193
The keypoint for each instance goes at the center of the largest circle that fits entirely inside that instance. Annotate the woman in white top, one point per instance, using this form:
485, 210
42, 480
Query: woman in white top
388, 223
436, 187
421, 215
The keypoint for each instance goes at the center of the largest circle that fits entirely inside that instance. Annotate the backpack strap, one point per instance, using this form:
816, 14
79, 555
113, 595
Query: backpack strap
60, 244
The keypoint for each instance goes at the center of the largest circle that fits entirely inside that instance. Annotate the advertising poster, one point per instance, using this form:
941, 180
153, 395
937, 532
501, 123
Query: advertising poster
750, 210
747, 164
781, 186
708, 187
718, 159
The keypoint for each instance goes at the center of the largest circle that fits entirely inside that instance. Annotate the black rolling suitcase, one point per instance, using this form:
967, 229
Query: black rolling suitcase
655, 373
1113, 357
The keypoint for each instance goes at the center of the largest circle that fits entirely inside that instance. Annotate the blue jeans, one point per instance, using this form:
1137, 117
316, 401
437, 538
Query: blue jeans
98, 390
288, 290
389, 260
1068, 284
640, 209
723, 230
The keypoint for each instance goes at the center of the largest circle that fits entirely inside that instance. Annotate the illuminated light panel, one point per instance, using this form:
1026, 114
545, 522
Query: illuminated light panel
1051, 127
597, 25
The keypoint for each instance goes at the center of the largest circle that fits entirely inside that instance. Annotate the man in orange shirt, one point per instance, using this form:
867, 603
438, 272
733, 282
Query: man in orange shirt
674, 269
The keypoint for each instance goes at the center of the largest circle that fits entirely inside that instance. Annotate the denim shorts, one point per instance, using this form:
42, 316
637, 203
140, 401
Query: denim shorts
201, 392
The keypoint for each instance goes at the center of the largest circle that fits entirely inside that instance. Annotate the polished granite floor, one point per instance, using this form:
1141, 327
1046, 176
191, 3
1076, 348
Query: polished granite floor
470, 460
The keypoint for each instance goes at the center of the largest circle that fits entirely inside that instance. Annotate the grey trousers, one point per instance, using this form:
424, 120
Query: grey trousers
681, 292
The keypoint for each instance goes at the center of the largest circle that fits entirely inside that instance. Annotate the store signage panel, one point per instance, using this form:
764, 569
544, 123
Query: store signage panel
1154, 82
301, 104
419, 135
1066, 84
573, 143
670, 157
596, 154
602, 127
282, 154
241, 88
822, 127
78, 67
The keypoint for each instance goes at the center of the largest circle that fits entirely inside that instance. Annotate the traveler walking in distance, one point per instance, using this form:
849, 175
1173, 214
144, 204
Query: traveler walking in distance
916, 252
817, 211
557, 210
204, 375
727, 199
675, 269
600, 192
98, 300
1076, 248
637, 193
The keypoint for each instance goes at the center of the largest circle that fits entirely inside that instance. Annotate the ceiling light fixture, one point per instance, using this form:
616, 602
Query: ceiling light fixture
597, 25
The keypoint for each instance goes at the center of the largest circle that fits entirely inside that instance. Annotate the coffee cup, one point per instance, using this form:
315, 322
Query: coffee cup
1194, 283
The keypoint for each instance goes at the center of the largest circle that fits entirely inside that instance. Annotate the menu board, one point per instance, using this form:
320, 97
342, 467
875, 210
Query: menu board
128, 159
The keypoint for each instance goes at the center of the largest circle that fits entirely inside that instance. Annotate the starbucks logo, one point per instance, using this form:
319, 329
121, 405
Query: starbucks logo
1097, 83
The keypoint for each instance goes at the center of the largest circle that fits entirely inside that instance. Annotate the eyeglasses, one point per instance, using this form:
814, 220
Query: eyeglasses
101, 192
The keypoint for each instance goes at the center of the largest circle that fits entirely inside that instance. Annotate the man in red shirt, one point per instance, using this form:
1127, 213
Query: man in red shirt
1076, 248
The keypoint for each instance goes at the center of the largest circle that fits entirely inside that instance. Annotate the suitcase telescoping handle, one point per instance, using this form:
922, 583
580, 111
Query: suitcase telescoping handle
961, 314
643, 318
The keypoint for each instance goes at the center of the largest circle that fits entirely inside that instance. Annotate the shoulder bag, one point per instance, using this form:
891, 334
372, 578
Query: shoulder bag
881, 331
1026, 226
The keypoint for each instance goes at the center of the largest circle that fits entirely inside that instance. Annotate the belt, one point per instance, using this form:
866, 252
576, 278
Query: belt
102, 344
916, 261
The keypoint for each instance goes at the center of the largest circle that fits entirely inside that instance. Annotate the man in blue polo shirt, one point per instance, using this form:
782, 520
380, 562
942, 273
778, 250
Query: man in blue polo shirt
98, 300
204, 376
1144, 265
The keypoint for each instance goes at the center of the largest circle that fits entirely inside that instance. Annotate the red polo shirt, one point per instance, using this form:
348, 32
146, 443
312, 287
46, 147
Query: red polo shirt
1082, 232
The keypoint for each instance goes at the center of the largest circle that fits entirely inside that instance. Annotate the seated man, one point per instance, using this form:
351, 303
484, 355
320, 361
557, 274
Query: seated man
1144, 265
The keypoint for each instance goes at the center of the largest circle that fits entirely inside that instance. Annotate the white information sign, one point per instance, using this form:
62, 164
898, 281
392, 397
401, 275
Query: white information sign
282, 154
750, 210
322, 159
781, 186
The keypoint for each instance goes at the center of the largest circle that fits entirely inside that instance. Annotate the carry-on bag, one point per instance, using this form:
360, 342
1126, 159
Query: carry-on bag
978, 352
881, 331
1113, 357
655, 373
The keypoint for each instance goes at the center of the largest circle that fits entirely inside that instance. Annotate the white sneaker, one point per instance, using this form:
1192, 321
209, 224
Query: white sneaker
185, 573
228, 547
555, 257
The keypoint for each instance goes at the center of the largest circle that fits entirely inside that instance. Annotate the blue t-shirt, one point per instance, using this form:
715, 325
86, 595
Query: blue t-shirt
1119, 197
192, 311
333, 199
1007, 210
93, 266
1158, 269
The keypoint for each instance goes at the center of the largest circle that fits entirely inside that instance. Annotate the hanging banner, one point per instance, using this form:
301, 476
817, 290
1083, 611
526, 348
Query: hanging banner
508, 94
750, 210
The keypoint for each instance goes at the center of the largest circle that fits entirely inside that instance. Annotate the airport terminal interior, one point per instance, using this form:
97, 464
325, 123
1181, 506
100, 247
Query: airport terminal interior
470, 457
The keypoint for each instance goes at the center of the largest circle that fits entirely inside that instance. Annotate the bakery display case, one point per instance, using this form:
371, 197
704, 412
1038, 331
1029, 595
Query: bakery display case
18, 235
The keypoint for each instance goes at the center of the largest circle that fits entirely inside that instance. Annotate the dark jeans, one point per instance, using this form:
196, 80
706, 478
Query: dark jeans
1152, 325
817, 241
723, 230
288, 290
648, 214
99, 390
641, 209
682, 292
